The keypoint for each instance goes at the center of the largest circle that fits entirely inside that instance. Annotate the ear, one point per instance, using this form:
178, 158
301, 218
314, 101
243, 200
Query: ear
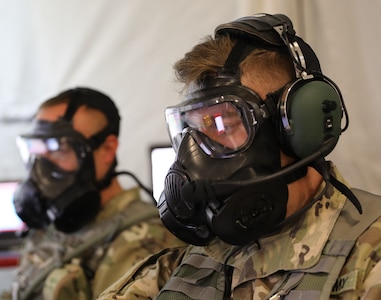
109, 148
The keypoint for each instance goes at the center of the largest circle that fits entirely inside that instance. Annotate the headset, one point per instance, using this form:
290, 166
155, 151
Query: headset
308, 110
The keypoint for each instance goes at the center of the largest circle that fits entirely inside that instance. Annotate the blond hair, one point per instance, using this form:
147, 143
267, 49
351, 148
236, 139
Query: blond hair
205, 59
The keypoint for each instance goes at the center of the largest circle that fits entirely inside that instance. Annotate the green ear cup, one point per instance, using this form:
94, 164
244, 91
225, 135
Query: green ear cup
310, 113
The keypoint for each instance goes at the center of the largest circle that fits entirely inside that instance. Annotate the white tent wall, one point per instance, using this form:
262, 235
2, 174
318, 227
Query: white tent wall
123, 48
126, 48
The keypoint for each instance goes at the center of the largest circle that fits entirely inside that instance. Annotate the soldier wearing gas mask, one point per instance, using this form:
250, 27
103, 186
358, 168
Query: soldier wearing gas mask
80, 218
61, 156
267, 216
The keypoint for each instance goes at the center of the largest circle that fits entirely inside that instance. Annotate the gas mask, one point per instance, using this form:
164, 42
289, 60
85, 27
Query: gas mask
222, 134
61, 185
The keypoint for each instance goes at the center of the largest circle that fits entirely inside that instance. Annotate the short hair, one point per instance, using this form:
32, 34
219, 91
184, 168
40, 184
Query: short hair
91, 98
207, 57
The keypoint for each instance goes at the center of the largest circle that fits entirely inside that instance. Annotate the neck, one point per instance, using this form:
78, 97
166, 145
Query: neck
302, 191
112, 190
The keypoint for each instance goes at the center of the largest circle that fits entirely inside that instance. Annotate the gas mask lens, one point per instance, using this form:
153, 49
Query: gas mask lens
221, 126
59, 151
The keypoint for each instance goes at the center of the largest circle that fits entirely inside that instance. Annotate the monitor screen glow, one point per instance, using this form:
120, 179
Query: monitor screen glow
9, 220
162, 158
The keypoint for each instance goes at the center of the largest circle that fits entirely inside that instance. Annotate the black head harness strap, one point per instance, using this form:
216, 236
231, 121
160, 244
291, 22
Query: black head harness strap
83, 96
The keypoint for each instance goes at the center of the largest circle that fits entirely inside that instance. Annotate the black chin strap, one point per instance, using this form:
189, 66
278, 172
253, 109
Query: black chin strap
323, 168
347, 192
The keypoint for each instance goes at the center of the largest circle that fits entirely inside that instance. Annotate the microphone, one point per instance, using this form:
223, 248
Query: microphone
222, 187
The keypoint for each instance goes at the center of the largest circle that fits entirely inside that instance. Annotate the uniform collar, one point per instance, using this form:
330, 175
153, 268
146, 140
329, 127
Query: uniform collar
118, 203
297, 246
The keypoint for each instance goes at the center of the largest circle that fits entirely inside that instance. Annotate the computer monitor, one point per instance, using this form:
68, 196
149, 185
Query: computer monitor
162, 157
11, 225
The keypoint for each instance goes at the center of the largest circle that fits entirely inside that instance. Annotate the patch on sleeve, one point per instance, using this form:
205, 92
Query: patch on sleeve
345, 283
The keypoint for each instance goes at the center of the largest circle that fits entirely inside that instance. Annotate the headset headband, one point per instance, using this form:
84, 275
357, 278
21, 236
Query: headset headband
273, 31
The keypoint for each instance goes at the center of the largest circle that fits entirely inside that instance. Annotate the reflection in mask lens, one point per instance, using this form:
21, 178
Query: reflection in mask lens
222, 123
57, 150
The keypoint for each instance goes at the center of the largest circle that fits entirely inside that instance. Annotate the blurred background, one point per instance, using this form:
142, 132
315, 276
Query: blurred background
126, 49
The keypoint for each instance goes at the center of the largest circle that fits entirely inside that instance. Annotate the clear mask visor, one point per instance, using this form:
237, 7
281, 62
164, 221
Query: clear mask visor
222, 126
58, 150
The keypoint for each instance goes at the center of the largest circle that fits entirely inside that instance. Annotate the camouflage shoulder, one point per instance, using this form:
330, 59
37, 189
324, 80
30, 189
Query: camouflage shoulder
363, 267
131, 246
5, 295
147, 277
119, 202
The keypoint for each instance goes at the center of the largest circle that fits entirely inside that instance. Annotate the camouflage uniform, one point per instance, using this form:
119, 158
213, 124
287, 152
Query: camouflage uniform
256, 269
101, 263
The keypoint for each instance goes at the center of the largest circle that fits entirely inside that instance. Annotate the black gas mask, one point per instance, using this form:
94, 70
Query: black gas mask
223, 133
61, 186
227, 179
